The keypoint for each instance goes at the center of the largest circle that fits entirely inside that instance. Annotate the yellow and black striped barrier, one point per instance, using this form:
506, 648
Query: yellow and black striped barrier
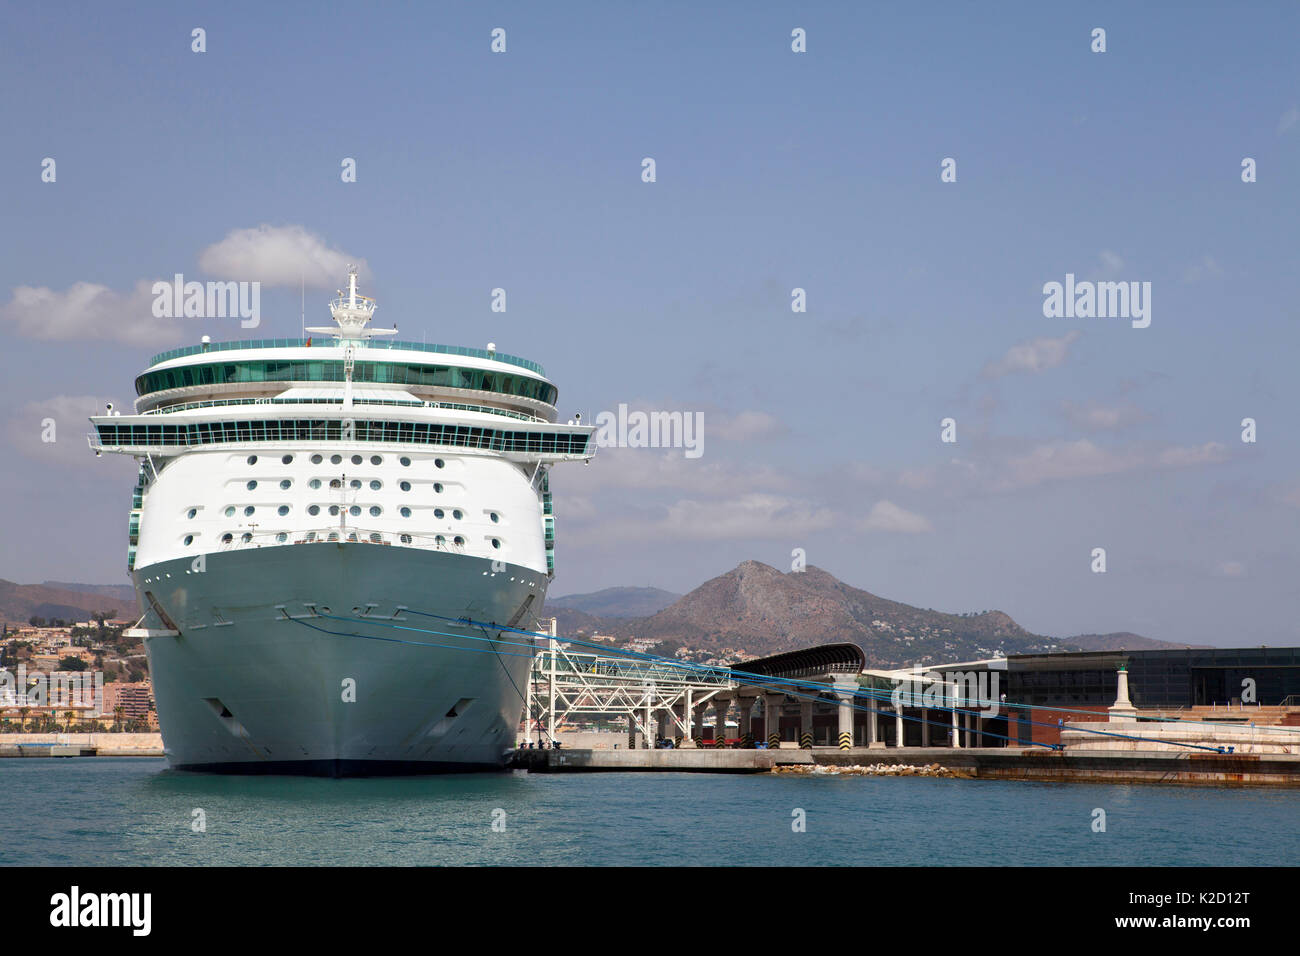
773, 740
846, 741
805, 741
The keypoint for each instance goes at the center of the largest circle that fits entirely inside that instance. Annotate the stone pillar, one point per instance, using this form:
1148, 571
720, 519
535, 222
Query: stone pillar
874, 739
898, 724
678, 723
805, 724
772, 718
720, 705
698, 724
745, 706
845, 689
956, 726
925, 727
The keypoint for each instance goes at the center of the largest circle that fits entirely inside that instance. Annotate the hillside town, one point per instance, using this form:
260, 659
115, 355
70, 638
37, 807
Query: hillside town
74, 677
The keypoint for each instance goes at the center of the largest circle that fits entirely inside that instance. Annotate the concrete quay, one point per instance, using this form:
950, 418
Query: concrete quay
1001, 763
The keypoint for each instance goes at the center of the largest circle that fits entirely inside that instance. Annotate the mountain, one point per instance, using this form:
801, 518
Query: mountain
19, 602
761, 610
617, 602
1124, 641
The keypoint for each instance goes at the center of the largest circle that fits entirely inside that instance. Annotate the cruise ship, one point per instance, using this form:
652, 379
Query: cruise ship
333, 540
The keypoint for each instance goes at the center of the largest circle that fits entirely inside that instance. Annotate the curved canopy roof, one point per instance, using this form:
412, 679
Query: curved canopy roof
822, 660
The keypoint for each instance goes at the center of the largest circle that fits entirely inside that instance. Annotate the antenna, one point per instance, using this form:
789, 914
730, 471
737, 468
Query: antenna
302, 279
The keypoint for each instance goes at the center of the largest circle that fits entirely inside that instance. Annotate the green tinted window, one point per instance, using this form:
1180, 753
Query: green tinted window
331, 371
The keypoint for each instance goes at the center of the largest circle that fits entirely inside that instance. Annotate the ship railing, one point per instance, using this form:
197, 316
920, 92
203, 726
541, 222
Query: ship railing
333, 534
300, 343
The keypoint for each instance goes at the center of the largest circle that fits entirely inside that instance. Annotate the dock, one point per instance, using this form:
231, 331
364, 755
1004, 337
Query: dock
1000, 763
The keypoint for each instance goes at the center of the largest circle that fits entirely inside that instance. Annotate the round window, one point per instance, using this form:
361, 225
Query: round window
406, 512
437, 487
282, 537
334, 509
287, 459
496, 542
282, 510
284, 485
314, 510
227, 538
404, 462
249, 510
438, 513
438, 463
230, 512
494, 517
192, 512
189, 539
376, 485
356, 459
376, 460
316, 459
252, 459
314, 483
405, 485
251, 485
375, 511
335, 459
354, 510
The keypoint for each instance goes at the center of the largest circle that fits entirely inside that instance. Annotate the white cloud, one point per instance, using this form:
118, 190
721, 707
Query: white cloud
1036, 355
1288, 119
87, 310
747, 516
278, 256
1206, 268
1111, 264
1095, 417
62, 418
1066, 460
887, 516
745, 426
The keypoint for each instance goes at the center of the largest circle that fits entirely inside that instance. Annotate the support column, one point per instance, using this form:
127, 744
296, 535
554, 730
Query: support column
745, 706
679, 713
688, 708
845, 689
956, 727
805, 724
874, 740
772, 718
898, 724
925, 727
698, 739
720, 706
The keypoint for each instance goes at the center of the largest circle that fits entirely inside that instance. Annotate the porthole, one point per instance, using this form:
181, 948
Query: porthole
230, 512
252, 459
189, 539
282, 537
376, 538
334, 536
376, 485
438, 463
227, 538
191, 513
440, 541
495, 518
282, 510
354, 510
287, 460
375, 511
406, 512
335, 459
456, 514
496, 542
376, 460
438, 513
314, 483
246, 537
314, 510
334, 509
356, 459
311, 536
316, 459
437, 487
458, 541
404, 462
251, 485
354, 483
336, 482
352, 536
405, 539
249, 511
404, 485
285, 484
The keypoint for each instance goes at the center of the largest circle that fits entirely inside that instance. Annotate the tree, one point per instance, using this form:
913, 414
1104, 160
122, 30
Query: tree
72, 664
69, 717
22, 718
118, 711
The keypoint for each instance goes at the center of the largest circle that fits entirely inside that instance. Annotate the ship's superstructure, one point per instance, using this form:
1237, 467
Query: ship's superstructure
322, 534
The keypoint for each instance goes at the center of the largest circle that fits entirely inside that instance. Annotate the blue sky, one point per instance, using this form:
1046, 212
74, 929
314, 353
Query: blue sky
775, 170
